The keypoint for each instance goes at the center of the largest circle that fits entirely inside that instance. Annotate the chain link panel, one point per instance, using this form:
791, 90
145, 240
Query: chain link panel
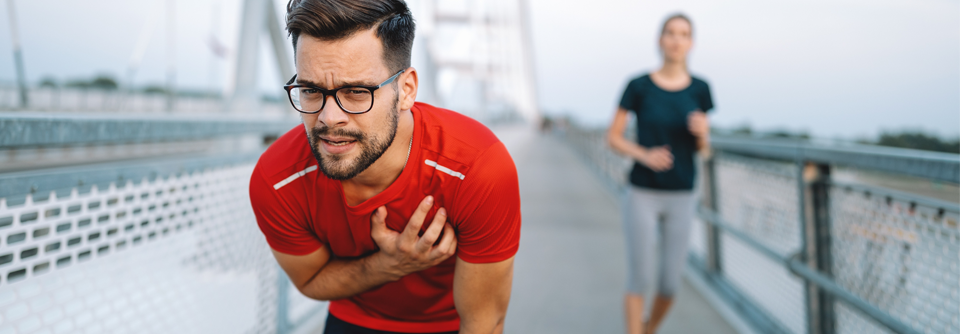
900, 256
759, 198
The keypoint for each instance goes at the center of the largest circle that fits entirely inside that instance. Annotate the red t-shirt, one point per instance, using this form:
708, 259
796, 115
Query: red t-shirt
454, 158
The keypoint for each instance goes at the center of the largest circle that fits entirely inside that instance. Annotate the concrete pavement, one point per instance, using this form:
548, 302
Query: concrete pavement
570, 270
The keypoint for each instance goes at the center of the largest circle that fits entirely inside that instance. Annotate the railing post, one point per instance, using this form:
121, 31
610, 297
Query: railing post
821, 314
713, 257
283, 304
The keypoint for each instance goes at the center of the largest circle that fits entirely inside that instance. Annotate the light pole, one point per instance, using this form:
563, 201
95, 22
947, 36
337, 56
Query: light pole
17, 55
171, 55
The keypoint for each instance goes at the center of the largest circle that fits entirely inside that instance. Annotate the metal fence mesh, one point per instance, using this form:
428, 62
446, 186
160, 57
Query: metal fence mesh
897, 253
178, 254
759, 198
765, 282
593, 146
698, 240
900, 256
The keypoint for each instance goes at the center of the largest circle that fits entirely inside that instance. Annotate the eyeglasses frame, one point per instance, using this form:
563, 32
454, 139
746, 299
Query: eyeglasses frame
333, 92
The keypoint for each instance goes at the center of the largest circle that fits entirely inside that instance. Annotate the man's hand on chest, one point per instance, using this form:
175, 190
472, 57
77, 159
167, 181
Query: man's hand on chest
406, 252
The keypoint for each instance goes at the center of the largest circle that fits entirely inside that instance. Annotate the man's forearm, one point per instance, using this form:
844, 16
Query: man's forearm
491, 325
345, 278
481, 293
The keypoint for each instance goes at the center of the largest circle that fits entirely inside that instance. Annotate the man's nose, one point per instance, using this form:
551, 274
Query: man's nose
331, 115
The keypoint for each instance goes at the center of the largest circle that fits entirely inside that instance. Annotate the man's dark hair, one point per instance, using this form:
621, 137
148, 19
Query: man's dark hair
332, 20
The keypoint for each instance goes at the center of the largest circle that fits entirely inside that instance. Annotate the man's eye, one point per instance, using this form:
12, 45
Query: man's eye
308, 91
357, 91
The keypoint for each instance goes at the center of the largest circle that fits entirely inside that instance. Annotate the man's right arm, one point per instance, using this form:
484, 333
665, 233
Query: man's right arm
319, 275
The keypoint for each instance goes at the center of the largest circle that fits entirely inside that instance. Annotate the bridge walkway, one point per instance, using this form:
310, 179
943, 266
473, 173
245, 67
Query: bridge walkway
570, 270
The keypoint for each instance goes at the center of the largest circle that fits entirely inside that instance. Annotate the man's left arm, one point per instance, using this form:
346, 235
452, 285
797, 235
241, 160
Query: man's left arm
481, 293
488, 236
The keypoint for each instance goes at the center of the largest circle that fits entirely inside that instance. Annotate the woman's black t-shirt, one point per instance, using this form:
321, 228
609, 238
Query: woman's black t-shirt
662, 120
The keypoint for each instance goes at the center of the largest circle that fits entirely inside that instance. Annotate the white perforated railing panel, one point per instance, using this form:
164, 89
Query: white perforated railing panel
179, 254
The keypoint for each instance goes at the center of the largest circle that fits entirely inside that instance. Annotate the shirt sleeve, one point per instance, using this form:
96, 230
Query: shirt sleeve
706, 101
488, 203
284, 227
629, 99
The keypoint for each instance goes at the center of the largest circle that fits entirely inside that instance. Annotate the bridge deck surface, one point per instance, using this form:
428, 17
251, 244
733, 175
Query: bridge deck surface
570, 270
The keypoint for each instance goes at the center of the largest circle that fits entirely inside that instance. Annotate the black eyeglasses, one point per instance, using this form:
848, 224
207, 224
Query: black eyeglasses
352, 99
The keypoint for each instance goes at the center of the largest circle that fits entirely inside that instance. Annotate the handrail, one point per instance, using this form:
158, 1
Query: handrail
26, 129
14, 186
797, 267
932, 165
807, 263
908, 197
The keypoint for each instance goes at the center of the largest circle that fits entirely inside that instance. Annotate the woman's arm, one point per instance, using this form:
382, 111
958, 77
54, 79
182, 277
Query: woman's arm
699, 126
657, 158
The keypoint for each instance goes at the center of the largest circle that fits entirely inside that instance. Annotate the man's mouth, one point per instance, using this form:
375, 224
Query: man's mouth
339, 142
336, 142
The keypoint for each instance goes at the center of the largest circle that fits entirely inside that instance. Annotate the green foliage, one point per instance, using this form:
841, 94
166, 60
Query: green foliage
786, 134
746, 130
919, 141
77, 84
743, 130
155, 89
103, 81
48, 82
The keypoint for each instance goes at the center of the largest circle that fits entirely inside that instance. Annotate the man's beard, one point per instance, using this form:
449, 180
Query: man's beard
371, 148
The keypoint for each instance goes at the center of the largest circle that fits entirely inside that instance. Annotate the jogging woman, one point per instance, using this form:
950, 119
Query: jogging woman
669, 106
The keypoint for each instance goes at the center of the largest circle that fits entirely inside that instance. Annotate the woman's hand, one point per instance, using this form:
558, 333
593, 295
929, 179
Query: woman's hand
698, 124
659, 158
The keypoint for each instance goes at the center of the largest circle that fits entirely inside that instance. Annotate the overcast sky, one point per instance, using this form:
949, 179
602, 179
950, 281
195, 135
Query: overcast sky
838, 68
841, 68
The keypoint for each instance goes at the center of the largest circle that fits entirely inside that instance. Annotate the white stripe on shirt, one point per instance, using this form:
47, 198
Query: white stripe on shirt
294, 177
441, 168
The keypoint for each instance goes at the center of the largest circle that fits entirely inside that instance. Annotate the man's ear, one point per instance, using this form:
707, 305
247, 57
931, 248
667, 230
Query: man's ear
408, 88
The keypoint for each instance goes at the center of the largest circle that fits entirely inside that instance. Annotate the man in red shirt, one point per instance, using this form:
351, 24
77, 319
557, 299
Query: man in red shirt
368, 205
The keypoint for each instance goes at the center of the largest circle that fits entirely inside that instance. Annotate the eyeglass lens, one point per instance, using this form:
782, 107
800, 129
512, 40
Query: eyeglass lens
352, 99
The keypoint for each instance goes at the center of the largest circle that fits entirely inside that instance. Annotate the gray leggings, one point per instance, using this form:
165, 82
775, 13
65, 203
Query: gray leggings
642, 209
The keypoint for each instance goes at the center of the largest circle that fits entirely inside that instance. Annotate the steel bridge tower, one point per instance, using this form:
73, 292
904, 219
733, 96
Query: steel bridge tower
473, 56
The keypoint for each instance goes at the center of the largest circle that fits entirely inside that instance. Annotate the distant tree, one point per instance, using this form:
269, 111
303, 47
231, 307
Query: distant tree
746, 130
743, 130
155, 89
77, 83
48, 82
787, 134
919, 141
104, 82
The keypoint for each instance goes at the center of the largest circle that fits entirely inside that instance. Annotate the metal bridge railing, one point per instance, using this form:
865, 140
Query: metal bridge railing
78, 99
797, 245
149, 245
